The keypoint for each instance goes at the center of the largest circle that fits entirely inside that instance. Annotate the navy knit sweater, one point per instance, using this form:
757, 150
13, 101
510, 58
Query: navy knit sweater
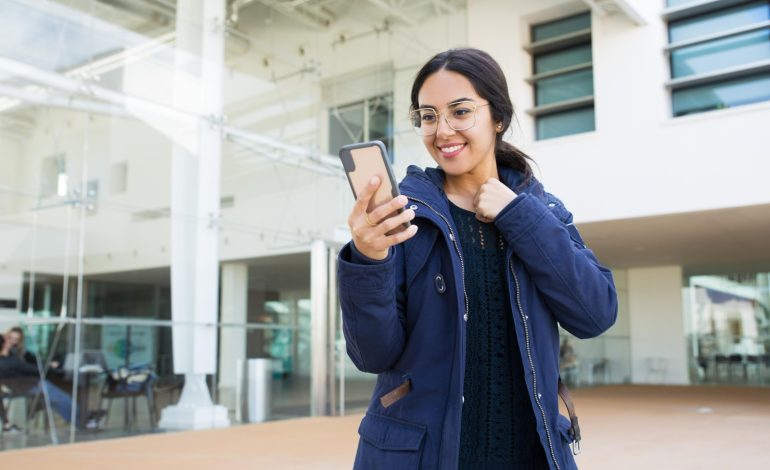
498, 425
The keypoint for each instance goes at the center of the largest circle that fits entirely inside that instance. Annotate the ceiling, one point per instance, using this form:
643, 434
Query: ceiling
707, 242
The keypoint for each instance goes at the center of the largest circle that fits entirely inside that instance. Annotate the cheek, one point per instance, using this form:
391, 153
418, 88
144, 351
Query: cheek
428, 142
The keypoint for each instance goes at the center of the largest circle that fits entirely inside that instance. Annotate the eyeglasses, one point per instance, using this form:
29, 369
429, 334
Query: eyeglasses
460, 116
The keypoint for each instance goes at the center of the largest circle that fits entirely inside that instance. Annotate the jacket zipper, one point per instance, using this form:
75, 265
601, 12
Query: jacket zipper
457, 248
531, 364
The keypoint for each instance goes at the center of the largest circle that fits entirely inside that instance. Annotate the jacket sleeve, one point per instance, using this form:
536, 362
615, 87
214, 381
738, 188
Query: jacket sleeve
579, 290
372, 300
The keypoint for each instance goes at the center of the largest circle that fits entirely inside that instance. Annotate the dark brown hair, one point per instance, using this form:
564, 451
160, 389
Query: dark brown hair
488, 80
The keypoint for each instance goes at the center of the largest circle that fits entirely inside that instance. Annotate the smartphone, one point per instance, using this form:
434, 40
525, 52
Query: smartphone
367, 159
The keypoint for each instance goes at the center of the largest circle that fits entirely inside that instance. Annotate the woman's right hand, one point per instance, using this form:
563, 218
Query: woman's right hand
370, 231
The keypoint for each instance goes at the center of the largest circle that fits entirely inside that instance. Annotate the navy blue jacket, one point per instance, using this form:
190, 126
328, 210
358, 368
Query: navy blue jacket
403, 319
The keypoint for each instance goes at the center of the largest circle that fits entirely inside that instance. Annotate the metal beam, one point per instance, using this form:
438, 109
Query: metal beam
130, 105
394, 12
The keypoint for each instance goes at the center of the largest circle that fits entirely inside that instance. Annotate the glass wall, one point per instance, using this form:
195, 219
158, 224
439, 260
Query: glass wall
164, 169
728, 328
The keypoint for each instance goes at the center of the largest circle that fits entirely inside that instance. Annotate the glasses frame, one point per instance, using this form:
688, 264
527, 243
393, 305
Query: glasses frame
444, 114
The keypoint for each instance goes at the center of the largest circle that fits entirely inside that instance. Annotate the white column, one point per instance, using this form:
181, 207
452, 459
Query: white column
232, 348
656, 321
195, 215
319, 292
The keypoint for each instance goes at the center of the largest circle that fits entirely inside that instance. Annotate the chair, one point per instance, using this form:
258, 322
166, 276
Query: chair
23, 388
130, 383
736, 360
721, 361
169, 385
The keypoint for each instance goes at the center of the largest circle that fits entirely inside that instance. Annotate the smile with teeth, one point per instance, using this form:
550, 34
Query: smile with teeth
452, 149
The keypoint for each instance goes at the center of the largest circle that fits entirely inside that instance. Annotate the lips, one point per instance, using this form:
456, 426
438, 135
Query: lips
451, 150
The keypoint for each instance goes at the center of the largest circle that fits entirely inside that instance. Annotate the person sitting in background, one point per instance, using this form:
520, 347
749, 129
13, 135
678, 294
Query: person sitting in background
568, 363
15, 345
22, 377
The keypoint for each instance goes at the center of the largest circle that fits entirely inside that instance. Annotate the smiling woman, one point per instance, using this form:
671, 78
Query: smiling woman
458, 316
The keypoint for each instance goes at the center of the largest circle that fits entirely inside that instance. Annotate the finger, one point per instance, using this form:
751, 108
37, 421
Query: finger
363, 199
482, 218
392, 222
388, 208
401, 236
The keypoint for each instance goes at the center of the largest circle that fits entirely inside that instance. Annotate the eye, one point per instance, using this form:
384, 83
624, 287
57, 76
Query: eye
428, 117
462, 111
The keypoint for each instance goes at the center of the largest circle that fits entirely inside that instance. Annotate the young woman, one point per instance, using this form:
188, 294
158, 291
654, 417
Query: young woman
458, 314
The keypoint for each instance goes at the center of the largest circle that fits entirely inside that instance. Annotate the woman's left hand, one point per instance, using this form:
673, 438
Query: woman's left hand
492, 198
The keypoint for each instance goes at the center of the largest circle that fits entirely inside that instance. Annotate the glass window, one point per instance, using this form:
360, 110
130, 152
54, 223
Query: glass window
346, 126
717, 21
726, 94
676, 3
721, 53
561, 27
53, 176
564, 87
371, 119
381, 122
552, 61
565, 123
731, 60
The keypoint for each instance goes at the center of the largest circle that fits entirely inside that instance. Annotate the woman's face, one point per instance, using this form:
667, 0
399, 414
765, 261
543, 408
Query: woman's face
457, 152
13, 339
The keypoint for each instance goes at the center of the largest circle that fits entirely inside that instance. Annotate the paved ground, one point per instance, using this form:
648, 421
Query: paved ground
624, 427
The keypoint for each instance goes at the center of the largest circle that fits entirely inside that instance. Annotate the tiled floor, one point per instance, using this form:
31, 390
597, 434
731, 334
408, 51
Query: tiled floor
624, 427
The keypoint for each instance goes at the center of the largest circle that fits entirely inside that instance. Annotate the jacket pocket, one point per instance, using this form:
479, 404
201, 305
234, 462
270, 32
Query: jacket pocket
388, 443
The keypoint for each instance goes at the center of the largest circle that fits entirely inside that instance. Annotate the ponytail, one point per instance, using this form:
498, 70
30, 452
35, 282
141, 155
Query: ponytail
509, 156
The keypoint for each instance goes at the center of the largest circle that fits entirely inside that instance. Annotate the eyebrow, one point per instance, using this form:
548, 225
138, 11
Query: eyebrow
450, 103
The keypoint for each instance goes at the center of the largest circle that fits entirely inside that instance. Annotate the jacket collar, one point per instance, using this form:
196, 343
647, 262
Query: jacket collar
428, 184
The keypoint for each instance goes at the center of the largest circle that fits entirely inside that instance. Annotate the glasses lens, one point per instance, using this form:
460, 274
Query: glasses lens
423, 121
462, 115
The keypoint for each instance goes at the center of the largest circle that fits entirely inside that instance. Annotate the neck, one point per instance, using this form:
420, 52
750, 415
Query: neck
466, 185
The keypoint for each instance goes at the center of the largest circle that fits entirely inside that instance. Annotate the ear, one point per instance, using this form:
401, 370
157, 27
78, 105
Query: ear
499, 127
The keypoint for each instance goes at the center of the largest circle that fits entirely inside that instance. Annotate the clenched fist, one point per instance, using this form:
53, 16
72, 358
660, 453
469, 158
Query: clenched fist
492, 198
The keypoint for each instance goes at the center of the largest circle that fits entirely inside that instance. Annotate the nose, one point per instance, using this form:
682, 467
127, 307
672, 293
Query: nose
443, 129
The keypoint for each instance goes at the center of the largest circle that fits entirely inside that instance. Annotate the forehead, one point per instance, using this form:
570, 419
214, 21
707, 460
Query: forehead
443, 87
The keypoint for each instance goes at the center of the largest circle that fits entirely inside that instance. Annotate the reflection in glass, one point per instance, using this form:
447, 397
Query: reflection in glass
565, 123
728, 328
718, 21
552, 61
714, 55
736, 92
561, 27
564, 87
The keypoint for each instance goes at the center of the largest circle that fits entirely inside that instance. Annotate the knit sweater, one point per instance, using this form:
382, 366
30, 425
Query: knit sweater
498, 425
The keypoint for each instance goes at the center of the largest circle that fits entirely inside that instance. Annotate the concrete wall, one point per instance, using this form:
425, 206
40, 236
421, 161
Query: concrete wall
658, 345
